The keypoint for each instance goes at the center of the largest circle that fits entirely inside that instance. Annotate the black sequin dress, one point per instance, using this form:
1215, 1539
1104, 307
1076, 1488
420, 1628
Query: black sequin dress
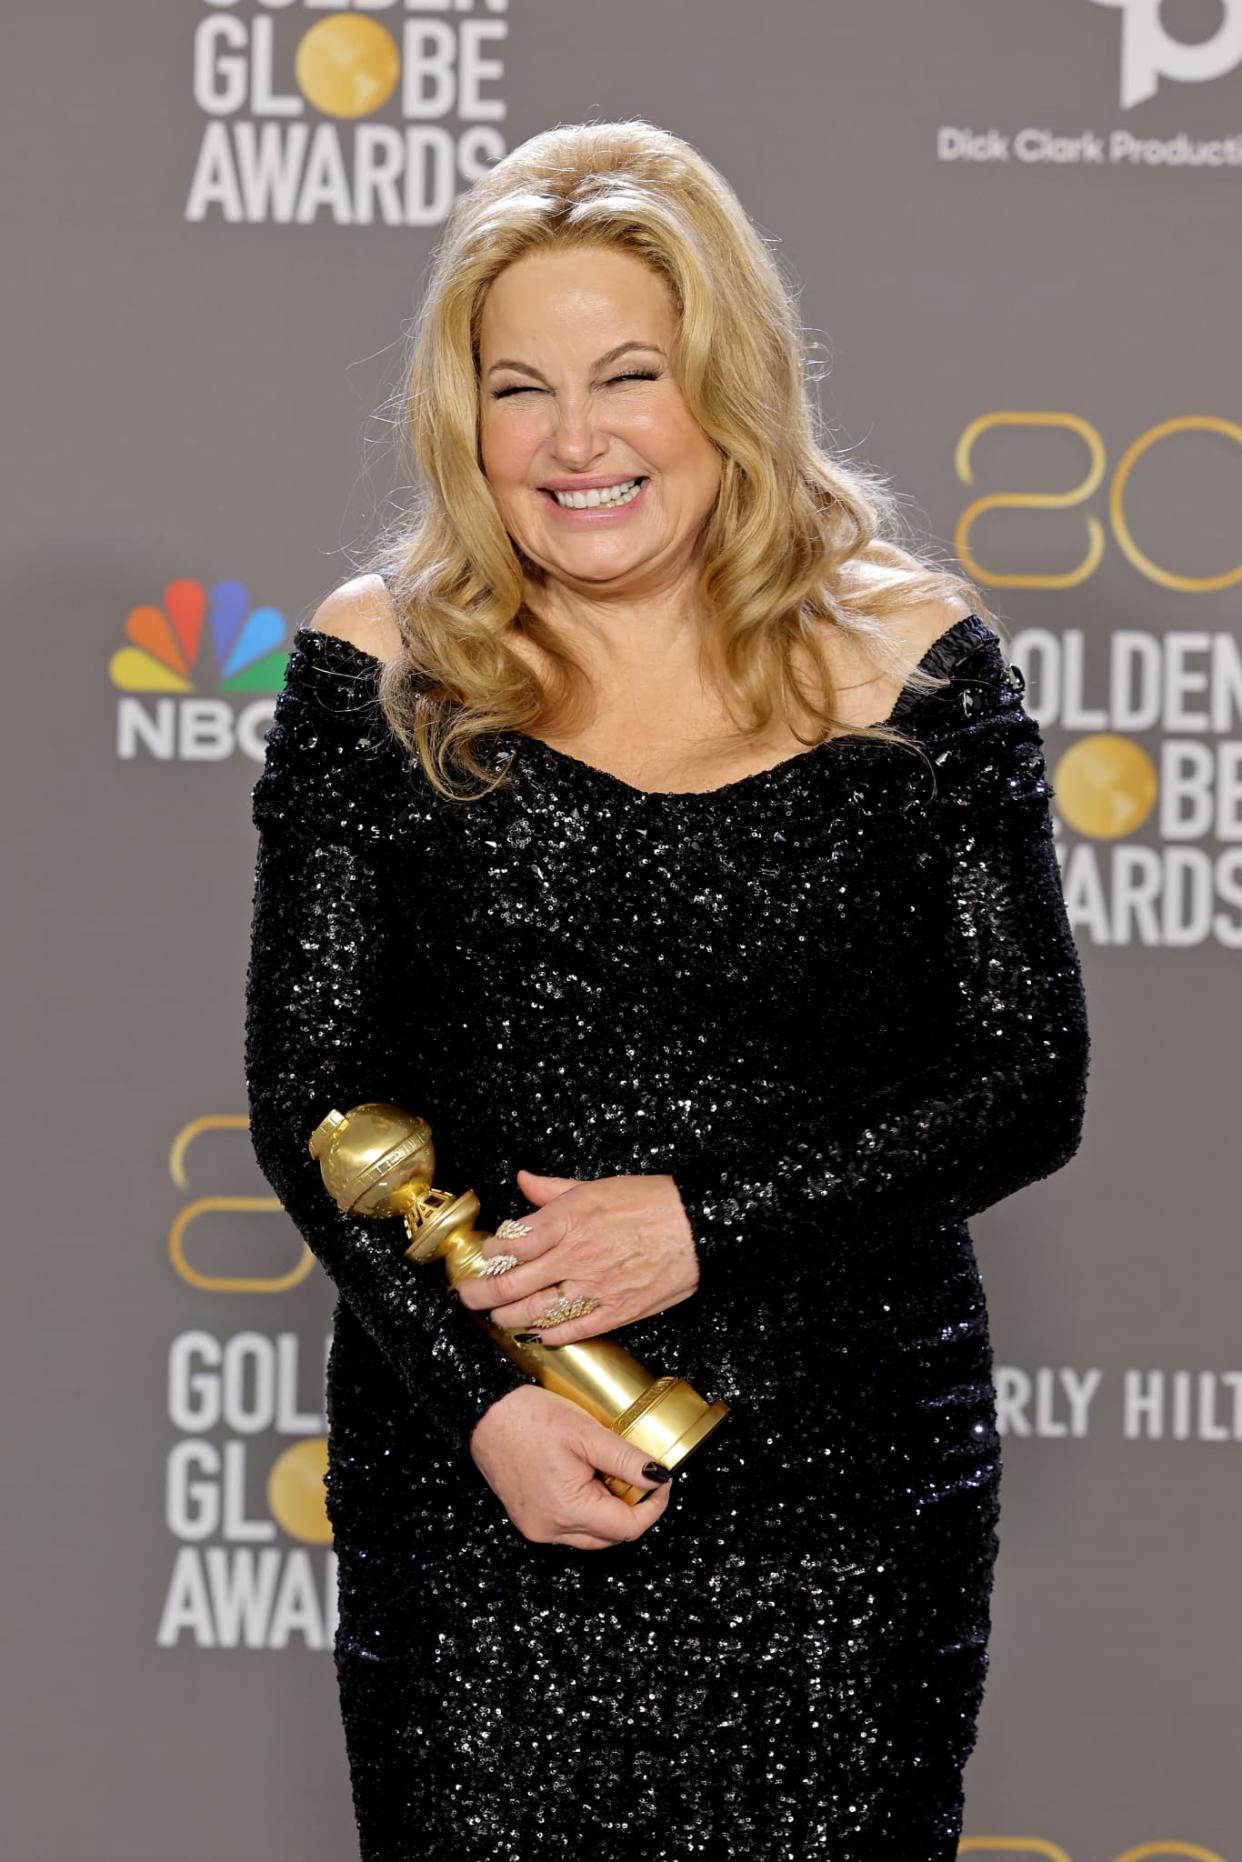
846, 1013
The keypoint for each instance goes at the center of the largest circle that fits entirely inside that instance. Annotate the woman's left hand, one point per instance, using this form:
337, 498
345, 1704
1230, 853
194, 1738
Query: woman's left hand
624, 1241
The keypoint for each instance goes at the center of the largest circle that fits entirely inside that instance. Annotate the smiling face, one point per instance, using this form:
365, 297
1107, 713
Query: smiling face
576, 393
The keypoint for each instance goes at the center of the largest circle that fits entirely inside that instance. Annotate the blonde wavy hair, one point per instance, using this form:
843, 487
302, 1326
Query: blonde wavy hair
796, 539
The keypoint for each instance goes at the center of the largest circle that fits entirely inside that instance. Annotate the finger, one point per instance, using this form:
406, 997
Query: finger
592, 1324
533, 1282
544, 1234
544, 1231
610, 1453
530, 1314
603, 1318
585, 1541
645, 1514
620, 1520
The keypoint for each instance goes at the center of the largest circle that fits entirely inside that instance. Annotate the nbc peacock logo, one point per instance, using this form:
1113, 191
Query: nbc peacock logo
197, 635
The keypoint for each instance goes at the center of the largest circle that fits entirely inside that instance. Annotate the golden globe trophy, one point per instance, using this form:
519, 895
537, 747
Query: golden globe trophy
378, 1160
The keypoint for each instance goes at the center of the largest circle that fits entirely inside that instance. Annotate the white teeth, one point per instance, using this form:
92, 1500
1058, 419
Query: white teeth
586, 500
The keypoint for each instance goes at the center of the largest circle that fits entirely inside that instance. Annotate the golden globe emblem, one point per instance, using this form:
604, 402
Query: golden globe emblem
295, 1491
347, 65
1106, 786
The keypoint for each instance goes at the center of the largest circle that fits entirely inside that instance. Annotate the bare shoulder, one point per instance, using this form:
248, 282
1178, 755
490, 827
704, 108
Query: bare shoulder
361, 612
866, 690
914, 631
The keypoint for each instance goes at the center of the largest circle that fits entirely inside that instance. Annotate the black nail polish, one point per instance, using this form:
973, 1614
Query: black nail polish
656, 1471
529, 1338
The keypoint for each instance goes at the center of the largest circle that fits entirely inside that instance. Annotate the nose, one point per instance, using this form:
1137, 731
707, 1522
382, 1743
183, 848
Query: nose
576, 441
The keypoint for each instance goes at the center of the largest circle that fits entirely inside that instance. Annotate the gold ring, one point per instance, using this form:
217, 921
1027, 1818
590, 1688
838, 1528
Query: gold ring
564, 1310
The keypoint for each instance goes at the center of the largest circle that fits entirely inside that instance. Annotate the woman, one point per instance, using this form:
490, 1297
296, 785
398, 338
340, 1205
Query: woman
685, 859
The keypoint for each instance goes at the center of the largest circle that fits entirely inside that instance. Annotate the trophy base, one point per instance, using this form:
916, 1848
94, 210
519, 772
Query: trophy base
668, 1422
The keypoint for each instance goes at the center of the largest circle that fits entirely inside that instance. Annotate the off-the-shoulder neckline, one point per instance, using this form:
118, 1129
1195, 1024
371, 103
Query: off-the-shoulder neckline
961, 636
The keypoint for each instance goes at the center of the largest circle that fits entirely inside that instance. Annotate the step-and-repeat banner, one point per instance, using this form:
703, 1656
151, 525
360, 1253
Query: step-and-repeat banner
1015, 232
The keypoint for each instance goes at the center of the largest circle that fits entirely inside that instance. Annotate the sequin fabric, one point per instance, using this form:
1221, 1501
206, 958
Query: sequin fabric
842, 1006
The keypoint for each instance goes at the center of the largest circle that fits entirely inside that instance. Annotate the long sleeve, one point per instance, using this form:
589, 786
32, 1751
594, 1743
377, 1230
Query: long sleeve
1004, 1104
323, 1024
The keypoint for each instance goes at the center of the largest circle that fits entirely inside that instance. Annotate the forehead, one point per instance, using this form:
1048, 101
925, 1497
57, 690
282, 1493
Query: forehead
584, 292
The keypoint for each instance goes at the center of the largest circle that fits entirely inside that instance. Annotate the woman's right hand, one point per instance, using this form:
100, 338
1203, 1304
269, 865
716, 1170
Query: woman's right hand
539, 1453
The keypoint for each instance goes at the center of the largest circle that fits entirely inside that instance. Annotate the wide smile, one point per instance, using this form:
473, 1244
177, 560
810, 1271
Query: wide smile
593, 514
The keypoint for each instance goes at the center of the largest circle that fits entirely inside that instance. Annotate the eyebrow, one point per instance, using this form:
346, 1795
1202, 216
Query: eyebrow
599, 363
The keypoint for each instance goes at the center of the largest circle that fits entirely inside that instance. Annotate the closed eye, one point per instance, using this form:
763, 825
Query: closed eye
499, 394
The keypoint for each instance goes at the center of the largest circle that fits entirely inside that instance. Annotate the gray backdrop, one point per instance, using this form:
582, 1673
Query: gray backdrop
1038, 339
